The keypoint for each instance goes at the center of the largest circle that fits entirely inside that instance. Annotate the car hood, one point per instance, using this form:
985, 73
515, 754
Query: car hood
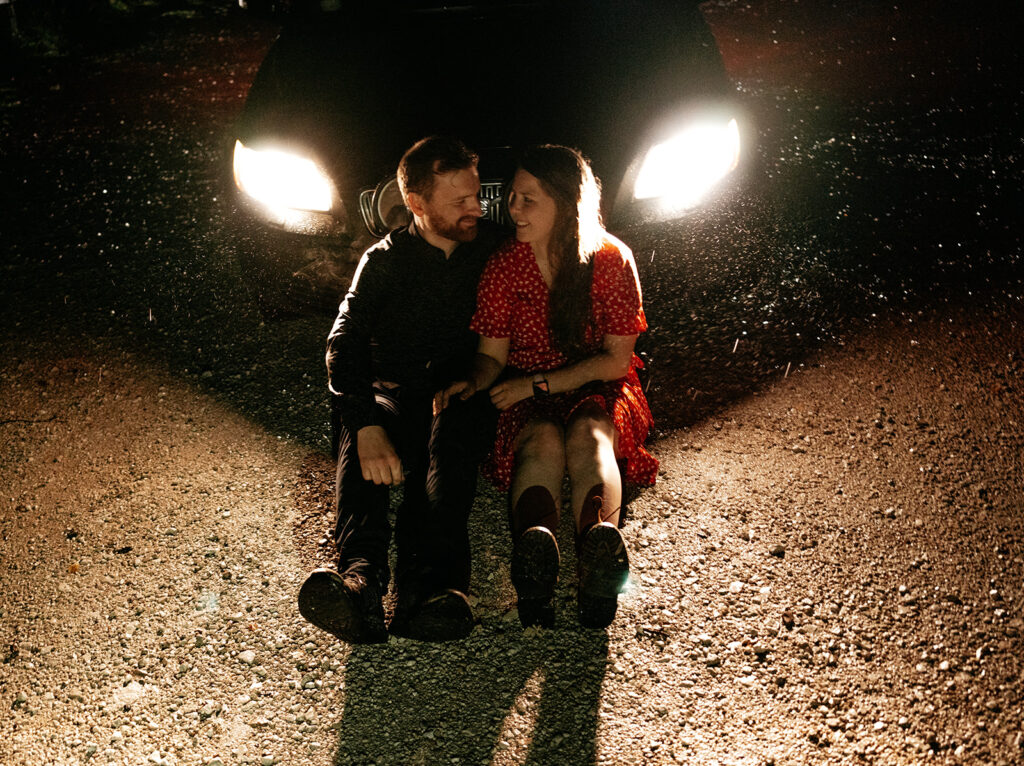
356, 87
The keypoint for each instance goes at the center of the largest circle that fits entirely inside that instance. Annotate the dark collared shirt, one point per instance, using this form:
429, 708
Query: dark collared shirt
405, 319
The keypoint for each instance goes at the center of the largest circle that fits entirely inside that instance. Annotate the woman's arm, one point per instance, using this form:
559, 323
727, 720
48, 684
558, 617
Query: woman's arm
491, 355
611, 362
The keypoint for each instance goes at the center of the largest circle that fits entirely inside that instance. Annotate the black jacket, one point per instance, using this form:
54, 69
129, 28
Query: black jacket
405, 319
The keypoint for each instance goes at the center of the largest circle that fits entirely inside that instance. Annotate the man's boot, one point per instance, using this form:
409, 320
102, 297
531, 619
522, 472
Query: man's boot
441, 615
603, 561
535, 556
347, 605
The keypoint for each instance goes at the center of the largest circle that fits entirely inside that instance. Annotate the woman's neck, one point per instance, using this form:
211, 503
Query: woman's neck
545, 262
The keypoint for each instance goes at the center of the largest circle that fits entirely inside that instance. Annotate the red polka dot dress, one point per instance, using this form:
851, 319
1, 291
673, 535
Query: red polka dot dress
513, 302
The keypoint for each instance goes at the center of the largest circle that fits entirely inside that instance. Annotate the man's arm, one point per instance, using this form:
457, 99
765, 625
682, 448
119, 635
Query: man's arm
490, 359
349, 360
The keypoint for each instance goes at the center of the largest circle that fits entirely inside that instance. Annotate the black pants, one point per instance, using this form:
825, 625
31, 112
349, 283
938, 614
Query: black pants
440, 459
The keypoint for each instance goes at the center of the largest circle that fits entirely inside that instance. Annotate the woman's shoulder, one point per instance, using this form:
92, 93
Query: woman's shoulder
508, 252
613, 252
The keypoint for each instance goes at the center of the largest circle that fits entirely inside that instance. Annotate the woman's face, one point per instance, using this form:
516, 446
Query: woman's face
533, 210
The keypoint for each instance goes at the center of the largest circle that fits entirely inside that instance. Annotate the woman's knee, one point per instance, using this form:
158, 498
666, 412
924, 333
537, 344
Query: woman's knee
589, 431
541, 440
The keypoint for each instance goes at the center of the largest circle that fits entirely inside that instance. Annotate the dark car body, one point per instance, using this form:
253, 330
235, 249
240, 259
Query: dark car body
352, 88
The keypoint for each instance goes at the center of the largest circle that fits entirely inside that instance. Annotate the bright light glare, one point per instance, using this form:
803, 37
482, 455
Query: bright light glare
280, 180
684, 168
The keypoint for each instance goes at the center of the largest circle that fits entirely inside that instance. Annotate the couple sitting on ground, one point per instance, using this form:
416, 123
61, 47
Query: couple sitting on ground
458, 345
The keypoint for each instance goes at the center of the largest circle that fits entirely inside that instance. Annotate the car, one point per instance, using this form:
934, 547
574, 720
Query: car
637, 85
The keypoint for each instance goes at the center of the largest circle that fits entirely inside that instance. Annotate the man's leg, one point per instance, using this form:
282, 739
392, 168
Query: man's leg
347, 601
431, 535
460, 438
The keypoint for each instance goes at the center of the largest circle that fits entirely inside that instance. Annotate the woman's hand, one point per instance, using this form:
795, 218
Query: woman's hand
507, 393
460, 388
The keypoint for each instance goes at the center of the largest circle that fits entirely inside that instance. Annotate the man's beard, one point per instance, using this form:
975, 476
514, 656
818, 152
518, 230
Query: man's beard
454, 231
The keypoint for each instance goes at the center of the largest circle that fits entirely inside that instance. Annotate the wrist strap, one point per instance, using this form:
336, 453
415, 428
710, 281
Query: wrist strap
540, 385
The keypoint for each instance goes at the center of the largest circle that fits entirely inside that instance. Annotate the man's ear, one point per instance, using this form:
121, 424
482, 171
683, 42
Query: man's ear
414, 202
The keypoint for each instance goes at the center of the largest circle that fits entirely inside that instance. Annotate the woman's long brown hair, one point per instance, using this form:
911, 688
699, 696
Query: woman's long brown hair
566, 175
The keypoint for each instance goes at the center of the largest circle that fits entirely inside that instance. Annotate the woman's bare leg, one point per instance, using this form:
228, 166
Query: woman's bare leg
590, 457
540, 460
533, 517
603, 564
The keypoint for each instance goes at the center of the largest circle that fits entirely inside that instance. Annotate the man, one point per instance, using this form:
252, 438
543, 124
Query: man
402, 333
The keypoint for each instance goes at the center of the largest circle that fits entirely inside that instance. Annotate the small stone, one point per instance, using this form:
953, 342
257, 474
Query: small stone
735, 587
248, 656
210, 709
267, 760
777, 551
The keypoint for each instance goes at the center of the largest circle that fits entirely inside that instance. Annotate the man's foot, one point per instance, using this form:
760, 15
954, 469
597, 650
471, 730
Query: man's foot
348, 607
534, 575
603, 571
444, 616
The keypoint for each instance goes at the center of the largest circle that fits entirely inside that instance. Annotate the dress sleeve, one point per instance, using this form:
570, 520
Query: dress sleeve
617, 297
493, 300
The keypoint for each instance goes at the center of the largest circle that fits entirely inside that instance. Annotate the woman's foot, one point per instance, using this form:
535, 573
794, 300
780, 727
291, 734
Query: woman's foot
534, 575
603, 571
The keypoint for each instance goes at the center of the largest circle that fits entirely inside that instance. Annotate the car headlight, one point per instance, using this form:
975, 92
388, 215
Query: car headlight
281, 180
683, 169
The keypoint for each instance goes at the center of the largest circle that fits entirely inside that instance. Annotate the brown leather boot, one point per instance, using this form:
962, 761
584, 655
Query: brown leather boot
535, 556
603, 561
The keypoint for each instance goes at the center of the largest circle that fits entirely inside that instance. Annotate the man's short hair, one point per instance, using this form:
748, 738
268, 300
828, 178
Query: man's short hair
431, 157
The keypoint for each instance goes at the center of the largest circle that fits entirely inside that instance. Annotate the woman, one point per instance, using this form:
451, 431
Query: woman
558, 313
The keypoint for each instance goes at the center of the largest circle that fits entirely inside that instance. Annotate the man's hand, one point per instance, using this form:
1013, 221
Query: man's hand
460, 388
505, 394
377, 456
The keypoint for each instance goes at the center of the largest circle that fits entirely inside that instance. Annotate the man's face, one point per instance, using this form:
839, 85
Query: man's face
454, 206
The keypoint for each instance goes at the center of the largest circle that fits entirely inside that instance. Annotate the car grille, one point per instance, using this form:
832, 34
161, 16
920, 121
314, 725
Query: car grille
492, 200
373, 201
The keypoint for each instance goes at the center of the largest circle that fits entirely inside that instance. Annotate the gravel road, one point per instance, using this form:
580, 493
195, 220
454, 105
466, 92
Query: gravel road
829, 570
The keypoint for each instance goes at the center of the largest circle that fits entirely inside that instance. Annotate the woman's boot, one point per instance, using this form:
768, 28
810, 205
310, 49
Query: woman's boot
535, 555
603, 561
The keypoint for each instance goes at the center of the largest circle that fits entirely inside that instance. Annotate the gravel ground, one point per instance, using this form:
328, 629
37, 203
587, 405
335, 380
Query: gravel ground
828, 571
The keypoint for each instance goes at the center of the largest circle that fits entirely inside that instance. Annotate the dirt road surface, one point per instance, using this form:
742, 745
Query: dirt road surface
829, 570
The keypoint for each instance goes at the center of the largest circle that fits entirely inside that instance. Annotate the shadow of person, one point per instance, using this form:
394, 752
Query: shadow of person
504, 695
